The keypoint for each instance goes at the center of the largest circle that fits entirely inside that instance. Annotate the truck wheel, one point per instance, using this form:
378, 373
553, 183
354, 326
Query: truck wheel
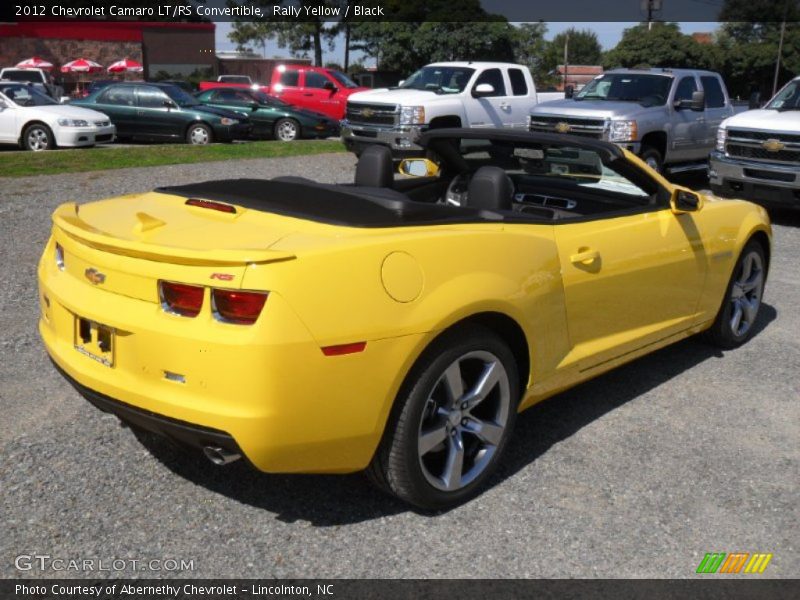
652, 158
454, 416
38, 137
199, 134
287, 130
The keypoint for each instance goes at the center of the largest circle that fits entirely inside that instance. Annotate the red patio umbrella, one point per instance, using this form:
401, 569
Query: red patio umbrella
35, 62
125, 66
81, 65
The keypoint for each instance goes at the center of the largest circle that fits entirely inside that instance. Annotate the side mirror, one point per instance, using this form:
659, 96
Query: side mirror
329, 86
482, 89
698, 101
755, 100
418, 167
569, 92
683, 201
170, 104
254, 105
401, 82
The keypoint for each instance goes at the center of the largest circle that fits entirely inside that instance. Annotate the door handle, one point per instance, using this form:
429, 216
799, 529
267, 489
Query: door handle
505, 105
584, 256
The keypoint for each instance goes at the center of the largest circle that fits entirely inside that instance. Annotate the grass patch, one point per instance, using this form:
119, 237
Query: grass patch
51, 162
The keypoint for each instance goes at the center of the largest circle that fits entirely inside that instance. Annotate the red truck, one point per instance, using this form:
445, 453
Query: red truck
316, 88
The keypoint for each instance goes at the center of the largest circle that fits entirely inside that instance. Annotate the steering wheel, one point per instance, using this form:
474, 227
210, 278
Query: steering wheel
456, 194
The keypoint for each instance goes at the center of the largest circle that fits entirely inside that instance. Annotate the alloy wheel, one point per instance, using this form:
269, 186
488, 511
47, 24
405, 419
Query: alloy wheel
746, 293
38, 139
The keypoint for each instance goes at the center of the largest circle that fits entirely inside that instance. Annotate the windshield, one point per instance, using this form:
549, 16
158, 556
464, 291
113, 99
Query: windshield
23, 95
267, 99
32, 76
650, 90
179, 96
343, 79
441, 80
788, 98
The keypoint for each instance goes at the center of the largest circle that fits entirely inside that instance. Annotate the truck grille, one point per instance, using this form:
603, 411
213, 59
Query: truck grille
755, 145
372, 114
593, 128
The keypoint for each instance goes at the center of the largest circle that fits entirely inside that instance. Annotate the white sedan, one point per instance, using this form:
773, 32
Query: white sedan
36, 122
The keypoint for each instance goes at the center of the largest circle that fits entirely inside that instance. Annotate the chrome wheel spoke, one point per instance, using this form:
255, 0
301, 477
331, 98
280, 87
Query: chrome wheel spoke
750, 308
453, 382
431, 439
736, 317
486, 383
455, 463
489, 433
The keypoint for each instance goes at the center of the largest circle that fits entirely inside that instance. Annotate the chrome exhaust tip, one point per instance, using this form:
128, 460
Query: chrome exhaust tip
220, 456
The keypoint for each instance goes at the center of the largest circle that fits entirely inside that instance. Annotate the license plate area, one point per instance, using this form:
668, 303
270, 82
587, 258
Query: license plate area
95, 340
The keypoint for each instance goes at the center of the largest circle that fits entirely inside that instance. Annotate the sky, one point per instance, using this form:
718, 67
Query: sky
608, 34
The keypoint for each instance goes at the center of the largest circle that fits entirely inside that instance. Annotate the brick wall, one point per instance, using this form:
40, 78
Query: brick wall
58, 52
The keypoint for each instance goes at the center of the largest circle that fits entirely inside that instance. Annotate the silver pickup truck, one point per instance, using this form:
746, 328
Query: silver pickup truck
669, 117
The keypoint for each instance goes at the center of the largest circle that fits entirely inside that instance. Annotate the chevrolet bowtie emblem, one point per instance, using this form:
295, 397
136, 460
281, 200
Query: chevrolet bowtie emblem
95, 276
367, 112
562, 127
772, 145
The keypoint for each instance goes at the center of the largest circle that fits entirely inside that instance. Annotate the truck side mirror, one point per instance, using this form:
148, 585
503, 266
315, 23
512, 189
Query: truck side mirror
755, 100
482, 89
698, 101
329, 86
569, 92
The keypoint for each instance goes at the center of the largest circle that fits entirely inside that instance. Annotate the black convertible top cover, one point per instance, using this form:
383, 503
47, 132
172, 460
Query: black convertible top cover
352, 206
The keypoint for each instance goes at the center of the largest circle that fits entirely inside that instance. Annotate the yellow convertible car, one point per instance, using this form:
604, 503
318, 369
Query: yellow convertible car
397, 324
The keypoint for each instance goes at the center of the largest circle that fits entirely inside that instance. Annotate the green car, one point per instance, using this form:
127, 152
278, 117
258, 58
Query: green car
271, 117
164, 112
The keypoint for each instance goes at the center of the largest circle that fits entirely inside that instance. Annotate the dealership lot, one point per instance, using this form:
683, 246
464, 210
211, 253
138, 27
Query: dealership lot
638, 473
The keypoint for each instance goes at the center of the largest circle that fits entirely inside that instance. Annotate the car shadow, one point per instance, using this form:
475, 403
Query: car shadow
331, 500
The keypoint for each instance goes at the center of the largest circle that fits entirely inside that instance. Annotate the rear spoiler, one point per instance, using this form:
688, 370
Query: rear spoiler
67, 220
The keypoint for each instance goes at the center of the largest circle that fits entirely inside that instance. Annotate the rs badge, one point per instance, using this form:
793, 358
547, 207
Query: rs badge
94, 276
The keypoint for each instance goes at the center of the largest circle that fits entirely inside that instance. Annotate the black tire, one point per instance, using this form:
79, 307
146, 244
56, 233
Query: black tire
199, 134
38, 137
401, 466
287, 130
727, 332
653, 158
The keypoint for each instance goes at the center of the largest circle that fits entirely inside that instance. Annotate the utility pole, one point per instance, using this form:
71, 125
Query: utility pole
566, 58
780, 48
650, 7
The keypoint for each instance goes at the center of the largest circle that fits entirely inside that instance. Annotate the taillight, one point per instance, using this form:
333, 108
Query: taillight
180, 298
233, 306
59, 256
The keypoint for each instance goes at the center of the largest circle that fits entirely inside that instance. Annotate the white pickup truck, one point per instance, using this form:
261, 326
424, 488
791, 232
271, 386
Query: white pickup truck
444, 94
758, 152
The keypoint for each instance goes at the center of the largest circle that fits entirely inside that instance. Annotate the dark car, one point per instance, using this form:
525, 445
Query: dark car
164, 112
271, 117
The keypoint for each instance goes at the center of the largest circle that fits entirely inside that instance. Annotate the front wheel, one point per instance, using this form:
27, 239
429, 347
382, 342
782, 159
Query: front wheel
454, 416
740, 307
653, 159
38, 137
199, 134
287, 130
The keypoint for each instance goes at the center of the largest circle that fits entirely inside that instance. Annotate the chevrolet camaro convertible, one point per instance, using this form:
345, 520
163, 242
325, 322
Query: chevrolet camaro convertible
397, 324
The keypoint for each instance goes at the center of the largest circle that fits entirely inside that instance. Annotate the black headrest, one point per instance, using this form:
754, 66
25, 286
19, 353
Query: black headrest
374, 168
490, 189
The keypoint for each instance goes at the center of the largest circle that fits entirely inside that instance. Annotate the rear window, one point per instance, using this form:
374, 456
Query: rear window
715, 97
32, 76
290, 78
518, 85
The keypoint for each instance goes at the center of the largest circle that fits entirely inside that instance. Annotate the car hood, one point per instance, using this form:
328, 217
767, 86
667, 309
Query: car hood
787, 121
600, 109
399, 96
66, 111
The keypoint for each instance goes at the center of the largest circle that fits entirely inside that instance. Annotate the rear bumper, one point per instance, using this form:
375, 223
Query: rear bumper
401, 141
754, 180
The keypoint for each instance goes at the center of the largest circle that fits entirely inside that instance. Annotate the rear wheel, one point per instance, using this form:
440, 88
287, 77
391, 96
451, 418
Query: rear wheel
287, 130
454, 417
199, 134
739, 311
38, 137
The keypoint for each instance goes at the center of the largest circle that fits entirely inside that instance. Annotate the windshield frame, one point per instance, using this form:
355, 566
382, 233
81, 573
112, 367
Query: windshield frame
408, 84
583, 94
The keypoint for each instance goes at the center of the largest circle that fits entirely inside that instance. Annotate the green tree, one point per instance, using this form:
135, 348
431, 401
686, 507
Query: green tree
749, 48
584, 49
530, 47
663, 45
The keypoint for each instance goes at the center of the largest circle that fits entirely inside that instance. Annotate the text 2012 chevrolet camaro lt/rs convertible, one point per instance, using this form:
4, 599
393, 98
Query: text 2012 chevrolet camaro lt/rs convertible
398, 324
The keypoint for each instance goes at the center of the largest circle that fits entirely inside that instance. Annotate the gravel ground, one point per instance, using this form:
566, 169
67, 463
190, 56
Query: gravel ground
635, 474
